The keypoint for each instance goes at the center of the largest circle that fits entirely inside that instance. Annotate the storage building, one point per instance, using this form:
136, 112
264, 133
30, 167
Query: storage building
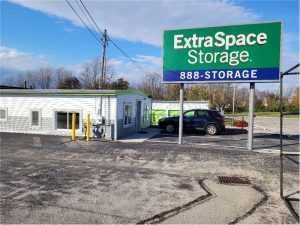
171, 108
113, 113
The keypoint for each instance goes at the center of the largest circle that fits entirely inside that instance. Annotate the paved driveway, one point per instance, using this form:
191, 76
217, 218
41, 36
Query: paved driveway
234, 138
47, 179
291, 126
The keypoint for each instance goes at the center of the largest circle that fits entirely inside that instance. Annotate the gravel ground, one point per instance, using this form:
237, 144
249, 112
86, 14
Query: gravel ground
47, 179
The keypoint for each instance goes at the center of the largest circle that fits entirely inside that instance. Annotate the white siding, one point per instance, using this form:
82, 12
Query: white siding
132, 99
19, 109
122, 99
173, 105
107, 109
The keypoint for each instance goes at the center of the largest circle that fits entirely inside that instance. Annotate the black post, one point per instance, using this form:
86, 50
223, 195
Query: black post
281, 128
181, 99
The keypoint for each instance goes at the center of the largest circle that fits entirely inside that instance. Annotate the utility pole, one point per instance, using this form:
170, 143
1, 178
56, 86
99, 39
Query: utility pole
103, 72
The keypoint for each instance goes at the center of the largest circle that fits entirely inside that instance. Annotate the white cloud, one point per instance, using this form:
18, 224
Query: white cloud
291, 42
144, 21
134, 72
148, 59
14, 59
124, 68
289, 59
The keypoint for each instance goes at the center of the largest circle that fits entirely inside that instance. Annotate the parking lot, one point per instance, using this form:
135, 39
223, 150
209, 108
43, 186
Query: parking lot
234, 138
49, 179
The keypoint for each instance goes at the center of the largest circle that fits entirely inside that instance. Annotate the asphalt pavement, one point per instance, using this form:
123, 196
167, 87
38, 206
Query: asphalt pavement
50, 179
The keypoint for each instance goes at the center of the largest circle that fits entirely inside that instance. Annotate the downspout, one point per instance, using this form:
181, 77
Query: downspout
100, 110
109, 115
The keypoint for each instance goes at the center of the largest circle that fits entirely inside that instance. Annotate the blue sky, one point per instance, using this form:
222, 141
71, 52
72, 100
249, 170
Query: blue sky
47, 33
55, 38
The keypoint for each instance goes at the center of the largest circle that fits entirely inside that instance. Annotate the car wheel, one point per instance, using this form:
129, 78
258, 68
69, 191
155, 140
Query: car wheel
170, 128
211, 129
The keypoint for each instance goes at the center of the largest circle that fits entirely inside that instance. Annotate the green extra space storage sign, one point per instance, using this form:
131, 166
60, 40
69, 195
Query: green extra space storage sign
240, 53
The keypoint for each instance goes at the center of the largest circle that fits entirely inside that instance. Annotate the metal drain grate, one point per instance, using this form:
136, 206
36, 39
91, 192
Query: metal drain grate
233, 180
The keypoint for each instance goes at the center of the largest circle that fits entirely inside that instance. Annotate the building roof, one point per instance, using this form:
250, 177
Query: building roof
68, 92
10, 87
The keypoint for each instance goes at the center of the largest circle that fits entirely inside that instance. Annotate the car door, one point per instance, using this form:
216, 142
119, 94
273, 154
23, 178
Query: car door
188, 118
200, 119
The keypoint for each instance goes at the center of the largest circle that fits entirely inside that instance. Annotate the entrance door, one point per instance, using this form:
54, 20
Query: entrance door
138, 115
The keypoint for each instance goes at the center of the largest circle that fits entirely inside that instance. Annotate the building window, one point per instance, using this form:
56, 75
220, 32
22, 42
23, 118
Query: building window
64, 120
189, 114
3, 114
127, 114
35, 118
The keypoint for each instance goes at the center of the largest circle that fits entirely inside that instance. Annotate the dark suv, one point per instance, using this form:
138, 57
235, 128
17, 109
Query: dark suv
210, 121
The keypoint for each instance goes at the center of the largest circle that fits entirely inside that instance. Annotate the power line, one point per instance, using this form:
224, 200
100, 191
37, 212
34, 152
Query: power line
125, 54
91, 17
90, 23
104, 41
82, 21
109, 39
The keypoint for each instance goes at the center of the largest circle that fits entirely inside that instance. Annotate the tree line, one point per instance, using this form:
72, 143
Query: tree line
220, 96
62, 78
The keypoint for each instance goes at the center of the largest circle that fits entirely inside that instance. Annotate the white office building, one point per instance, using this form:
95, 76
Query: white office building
114, 113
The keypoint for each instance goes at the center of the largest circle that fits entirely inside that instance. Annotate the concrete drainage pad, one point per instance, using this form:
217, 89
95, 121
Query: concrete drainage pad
230, 205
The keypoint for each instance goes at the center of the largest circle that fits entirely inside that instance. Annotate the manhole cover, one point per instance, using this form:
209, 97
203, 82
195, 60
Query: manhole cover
233, 180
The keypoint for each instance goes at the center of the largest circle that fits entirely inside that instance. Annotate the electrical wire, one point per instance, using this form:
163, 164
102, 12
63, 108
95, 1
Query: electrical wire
90, 23
91, 17
125, 54
109, 39
82, 21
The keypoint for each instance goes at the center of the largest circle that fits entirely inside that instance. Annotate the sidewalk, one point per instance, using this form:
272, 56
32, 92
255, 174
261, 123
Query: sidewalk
230, 204
141, 136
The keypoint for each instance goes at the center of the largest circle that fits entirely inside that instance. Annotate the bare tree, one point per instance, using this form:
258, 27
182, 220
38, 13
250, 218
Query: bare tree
29, 77
43, 77
241, 99
60, 75
69, 82
171, 91
152, 85
220, 96
196, 92
90, 75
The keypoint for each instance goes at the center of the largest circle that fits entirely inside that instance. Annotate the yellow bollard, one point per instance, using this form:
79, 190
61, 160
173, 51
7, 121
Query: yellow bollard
73, 126
88, 127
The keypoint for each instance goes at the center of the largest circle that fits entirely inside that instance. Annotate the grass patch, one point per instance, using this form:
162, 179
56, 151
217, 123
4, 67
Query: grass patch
266, 114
